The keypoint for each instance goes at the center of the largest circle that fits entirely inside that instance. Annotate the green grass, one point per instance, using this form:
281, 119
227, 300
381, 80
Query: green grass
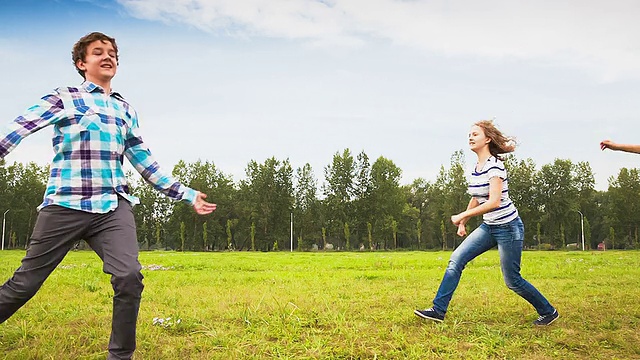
334, 306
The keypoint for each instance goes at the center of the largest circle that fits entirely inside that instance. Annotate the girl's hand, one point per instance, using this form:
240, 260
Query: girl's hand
462, 230
457, 219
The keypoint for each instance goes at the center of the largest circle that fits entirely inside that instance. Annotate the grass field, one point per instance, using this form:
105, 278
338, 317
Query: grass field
333, 306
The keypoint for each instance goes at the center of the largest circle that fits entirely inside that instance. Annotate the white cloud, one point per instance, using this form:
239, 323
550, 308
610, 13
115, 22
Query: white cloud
597, 36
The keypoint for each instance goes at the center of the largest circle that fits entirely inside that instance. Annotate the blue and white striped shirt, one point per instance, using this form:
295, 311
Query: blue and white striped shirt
92, 133
479, 189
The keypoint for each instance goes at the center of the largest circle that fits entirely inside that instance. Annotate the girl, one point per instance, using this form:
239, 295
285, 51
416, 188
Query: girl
489, 190
608, 144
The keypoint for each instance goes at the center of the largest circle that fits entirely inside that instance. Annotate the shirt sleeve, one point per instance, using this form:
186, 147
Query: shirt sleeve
141, 159
47, 111
497, 169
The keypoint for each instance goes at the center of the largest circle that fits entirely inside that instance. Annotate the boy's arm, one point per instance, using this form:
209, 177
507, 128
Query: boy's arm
144, 163
141, 159
608, 144
44, 113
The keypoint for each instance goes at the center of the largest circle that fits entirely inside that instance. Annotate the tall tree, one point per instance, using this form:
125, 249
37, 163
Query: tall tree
363, 207
23, 188
624, 205
339, 192
524, 192
418, 198
449, 196
388, 198
307, 208
268, 193
559, 195
219, 189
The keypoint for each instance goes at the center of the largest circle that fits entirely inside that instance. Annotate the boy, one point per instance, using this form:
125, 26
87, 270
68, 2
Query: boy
87, 195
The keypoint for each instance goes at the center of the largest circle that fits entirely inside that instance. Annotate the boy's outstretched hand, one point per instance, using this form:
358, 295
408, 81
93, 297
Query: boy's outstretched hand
202, 207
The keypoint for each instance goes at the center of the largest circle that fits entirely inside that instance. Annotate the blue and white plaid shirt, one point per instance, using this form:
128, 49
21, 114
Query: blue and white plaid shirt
92, 132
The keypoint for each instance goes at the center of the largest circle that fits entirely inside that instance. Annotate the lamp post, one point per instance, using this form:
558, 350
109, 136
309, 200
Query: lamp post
4, 216
581, 227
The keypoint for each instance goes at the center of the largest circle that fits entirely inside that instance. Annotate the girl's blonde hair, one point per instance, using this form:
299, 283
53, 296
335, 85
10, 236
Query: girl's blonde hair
500, 143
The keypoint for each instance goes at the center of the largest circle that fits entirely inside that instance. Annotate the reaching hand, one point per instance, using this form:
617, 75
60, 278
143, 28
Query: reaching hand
202, 207
607, 144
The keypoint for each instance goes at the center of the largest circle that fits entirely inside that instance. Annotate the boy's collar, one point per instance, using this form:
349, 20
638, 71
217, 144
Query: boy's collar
91, 87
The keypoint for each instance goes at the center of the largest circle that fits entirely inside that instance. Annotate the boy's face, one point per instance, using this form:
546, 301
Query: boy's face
99, 64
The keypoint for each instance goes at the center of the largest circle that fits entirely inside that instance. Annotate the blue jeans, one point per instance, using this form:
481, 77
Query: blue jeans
509, 238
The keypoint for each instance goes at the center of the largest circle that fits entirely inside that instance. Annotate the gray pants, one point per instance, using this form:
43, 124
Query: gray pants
112, 236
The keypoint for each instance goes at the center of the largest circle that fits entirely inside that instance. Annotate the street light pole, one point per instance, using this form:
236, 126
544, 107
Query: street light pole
582, 227
4, 216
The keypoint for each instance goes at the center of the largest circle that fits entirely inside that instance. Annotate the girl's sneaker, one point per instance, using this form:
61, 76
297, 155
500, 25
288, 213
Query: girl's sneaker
545, 320
430, 314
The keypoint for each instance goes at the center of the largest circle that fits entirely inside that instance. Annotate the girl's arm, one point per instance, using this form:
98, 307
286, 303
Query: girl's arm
462, 229
495, 192
472, 204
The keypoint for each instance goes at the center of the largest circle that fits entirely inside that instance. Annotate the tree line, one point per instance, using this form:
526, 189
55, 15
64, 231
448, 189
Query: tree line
359, 204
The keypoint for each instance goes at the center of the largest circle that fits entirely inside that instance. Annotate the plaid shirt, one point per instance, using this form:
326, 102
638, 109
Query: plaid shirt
92, 132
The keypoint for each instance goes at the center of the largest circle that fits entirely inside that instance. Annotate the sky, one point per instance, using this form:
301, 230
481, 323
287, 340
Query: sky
230, 81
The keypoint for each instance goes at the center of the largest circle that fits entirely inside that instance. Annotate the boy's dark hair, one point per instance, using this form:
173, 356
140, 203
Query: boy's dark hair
79, 51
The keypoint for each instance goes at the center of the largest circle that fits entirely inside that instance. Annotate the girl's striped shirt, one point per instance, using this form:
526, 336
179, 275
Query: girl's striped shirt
479, 189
